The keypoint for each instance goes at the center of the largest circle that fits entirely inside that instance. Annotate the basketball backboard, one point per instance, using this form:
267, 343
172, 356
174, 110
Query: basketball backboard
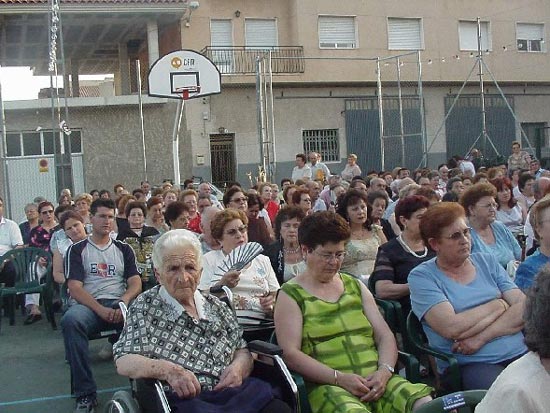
183, 74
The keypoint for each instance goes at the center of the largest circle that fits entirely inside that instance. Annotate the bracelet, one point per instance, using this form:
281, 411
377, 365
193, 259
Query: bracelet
504, 303
387, 367
336, 377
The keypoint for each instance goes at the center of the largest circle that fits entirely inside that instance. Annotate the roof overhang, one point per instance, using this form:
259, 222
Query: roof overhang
93, 31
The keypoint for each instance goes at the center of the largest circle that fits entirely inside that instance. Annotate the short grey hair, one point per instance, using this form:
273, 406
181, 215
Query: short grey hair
180, 238
537, 315
29, 205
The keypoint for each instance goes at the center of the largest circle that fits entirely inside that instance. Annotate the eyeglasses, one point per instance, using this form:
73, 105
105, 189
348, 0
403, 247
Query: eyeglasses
240, 200
458, 235
234, 231
339, 256
49, 211
492, 205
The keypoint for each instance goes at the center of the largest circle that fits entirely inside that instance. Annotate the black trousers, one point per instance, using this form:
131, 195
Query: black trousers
7, 274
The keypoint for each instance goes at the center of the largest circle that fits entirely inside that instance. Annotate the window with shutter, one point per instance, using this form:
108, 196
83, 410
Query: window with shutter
221, 40
530, 37
404, 34
467, 36
261, 33
337, 32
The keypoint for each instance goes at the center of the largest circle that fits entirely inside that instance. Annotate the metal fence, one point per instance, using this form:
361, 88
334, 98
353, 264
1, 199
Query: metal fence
383, 124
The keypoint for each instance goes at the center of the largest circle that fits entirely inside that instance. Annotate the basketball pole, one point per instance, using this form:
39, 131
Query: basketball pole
176, 141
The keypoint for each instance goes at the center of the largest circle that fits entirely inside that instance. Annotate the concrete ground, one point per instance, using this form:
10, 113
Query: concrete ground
34, 377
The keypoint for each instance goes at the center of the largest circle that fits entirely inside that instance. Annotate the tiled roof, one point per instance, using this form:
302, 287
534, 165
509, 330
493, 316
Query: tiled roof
88, 2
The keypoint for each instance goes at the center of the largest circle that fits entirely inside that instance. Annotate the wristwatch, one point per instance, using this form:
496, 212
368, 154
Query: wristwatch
387, 367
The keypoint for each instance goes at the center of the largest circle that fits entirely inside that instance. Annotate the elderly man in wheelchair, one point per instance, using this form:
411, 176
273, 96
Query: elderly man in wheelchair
192, 342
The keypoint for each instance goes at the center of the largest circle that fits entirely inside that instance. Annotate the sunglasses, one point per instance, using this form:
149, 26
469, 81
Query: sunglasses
458, 235
49, 211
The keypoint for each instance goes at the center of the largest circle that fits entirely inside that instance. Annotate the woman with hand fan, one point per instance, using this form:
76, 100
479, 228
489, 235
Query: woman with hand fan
239, 266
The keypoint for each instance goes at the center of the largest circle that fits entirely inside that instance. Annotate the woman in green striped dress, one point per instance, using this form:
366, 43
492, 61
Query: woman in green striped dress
332, 333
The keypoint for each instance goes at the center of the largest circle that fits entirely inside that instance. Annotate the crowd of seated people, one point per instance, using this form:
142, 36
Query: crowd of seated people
454, 259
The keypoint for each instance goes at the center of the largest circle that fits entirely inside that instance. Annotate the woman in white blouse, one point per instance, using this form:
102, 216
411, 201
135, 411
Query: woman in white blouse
255, 286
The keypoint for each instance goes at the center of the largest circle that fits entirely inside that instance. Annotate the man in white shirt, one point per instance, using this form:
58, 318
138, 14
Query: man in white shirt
301, 170
377, 185
317, 204
10, 237
146, 188
443, 178
204, 189
319, 171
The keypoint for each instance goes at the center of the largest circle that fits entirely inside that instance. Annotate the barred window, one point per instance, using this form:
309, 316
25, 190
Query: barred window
324, 141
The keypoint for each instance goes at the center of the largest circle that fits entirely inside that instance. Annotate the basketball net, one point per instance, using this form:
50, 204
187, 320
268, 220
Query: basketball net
186, 91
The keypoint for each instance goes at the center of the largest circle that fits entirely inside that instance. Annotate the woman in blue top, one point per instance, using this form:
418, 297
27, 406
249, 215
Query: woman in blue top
488, 235
466, 302
539, 216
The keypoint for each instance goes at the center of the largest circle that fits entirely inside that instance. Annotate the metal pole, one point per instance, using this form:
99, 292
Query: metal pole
424, 137
259, 108
52, 99
522, 132
65, 89
442, 125
6, 194
481, 88
140, 102
273, 165
267, 136
176, 143
380, 114
400, 97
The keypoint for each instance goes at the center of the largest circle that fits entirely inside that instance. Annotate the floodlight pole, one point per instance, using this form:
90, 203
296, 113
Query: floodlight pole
400, 97
481, 89
3, 139
140, 101
380, 113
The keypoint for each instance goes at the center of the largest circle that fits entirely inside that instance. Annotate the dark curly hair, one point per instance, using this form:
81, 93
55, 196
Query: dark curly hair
350, 198
174, 210
473, 194
286, 214
500, 184
408, 206
322, 227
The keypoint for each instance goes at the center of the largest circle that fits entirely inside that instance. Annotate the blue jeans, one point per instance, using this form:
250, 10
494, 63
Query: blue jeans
77, 324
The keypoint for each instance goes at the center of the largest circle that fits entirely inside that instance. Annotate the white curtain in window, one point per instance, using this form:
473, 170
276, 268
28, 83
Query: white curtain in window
467, 31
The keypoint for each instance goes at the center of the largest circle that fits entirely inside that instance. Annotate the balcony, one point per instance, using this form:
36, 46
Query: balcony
241, 60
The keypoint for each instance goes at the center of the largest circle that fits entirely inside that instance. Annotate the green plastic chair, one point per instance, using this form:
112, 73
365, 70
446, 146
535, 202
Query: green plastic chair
393, 314
27, 279
459, 402
419, 346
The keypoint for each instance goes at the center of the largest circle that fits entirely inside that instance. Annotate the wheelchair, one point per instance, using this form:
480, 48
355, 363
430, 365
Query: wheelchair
150, 395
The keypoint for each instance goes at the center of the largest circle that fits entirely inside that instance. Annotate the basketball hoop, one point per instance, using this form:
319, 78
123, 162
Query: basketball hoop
188, 91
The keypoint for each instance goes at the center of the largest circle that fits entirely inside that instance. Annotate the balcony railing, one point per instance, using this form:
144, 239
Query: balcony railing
242, 59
